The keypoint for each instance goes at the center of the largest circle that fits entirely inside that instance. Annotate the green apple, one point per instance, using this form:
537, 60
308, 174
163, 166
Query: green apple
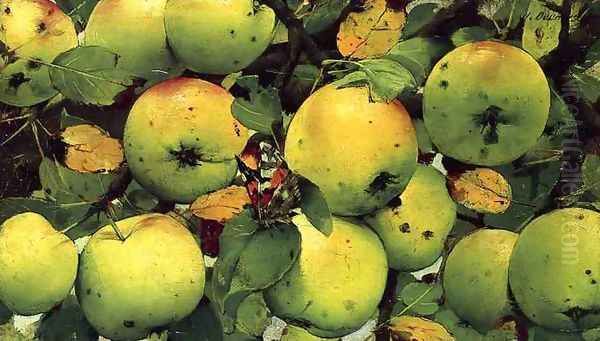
293, 333
361, 154
181, 139
486, 103
135, 31
554, 270
337, 282
475, 277
218, 37
38, 264
151, 279
414, 227
32, 30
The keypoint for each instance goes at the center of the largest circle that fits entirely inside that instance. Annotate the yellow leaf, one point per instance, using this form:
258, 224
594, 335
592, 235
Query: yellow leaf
371, 32
221, 205
481, 189
410, 328
89, 149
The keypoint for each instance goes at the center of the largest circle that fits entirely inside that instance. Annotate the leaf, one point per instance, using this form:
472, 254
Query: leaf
481, 189
587, 82
60, 216
506, 13
466, 35
201, 325
417, 329
67, 120
372, 31
90, 149
315, 207
267, 257
542, 28
425, 14
262, 110
419, 55
78, 10
421, 298
591, 174
66, 323
89, 75
9, 332
221, 205
323, 14
253, 316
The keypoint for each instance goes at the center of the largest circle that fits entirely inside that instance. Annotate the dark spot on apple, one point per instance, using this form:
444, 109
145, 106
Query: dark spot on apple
253, 39
2, 28
141, 159
88, 291
232, 32
593, 281
395, 202
588, 272
236, 62
397, 145
444, 84
128, 324
7, 10
151, 123
444, 66
17, 79
191, 108
581, 217
404, 228
370, 122
381, 182
349, 305
428, 234
300, 141
99, 295
347, 241
41, 27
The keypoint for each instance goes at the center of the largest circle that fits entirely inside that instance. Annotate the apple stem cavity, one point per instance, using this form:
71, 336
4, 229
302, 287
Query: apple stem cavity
187, 156
490, 118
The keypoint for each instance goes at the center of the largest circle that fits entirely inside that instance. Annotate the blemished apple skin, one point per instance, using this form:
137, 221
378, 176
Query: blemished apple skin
414, 230
554, 270
361, 154
337, 282
227, 37
477, 271
33, 29
135, 31
155, 277
181, 139
38, 264
490, 82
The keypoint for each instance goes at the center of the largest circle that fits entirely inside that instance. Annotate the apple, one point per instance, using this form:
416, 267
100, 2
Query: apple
554, 270
361, 154
486, 103
135, 31
32, 30
337, 281
475, 277
38, 264
153, 278
181, 139
293, 333
218, 37
414, 227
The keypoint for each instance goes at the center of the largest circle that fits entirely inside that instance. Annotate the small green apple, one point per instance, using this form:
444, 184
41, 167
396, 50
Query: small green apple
415, 227
361, 154
32, 30
135, 31
486, 103
293, 333
218, 37
38, 264
337, 282
181, 139
151, 279
554, 270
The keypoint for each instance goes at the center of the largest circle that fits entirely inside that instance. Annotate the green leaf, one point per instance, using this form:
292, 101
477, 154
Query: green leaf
89, 75
591, 174
542, 29
421, 298
68, 120
587, 82
466, 35
324, 13
267, 257
315, 207
453, 324
425, 14
419, 55
202, 325
66, 323
78, 10
262, 110
253, 316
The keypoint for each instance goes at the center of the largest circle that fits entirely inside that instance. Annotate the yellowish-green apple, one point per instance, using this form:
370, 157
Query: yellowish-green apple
152, 278
181, 139
225, 38
31, 30
361, 154
293, 333
486, 103
135, 31
475, 277
414, 227
38, 264
337, 281
554, 270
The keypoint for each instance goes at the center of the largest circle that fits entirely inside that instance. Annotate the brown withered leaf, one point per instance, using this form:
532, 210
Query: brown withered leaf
221, 205
410, 328
481, 189
371, 32
90, 149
